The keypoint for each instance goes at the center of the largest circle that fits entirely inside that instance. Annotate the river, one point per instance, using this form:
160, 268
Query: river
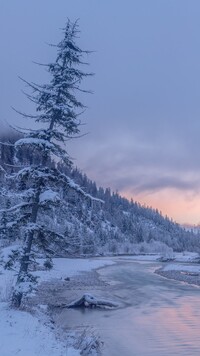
156, 316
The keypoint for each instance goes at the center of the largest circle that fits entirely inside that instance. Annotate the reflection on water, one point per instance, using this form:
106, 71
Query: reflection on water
170, 330
159, 316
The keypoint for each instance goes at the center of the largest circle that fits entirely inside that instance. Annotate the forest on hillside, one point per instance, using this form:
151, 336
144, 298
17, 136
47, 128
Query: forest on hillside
48, 207
107, 224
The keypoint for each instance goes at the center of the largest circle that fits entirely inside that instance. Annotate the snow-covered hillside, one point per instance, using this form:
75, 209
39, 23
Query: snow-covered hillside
114, 226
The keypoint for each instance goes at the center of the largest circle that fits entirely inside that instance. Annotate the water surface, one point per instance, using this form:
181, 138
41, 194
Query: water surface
157, 316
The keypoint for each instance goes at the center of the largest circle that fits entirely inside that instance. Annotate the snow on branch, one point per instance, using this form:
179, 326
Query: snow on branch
44, 145
13, 208
49, 196
7, 144
29, 193
78, 189
2, 170
40, 143
54, 175
32, 227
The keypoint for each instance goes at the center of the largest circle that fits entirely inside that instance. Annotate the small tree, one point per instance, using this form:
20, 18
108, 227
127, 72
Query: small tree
58, 110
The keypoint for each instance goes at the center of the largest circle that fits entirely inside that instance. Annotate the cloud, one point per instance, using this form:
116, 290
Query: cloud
159, 183
139, 165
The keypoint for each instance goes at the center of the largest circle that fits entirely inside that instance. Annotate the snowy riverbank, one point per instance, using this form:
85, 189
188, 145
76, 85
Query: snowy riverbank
30, 332
183, 267
188, 273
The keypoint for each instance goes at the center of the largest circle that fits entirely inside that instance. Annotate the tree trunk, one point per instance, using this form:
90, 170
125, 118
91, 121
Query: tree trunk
25, 260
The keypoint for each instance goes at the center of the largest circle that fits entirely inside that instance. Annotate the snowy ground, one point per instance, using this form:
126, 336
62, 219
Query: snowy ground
23, 334
186, 256
177, 257
185, 268
31, 333
68, 267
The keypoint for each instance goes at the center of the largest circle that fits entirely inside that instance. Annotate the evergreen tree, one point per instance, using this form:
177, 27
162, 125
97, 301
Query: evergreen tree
58, 110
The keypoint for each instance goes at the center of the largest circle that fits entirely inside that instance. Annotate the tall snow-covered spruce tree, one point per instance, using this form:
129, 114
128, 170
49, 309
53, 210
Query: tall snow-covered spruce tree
41, 184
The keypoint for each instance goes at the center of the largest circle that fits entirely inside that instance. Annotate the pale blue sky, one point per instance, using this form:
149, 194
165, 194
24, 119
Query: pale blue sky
144, 115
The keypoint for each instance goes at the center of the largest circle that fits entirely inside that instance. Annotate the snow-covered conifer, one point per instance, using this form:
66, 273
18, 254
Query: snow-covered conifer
57, 111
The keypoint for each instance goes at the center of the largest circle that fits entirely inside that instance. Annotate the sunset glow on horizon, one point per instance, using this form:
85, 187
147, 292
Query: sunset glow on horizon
182, 209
